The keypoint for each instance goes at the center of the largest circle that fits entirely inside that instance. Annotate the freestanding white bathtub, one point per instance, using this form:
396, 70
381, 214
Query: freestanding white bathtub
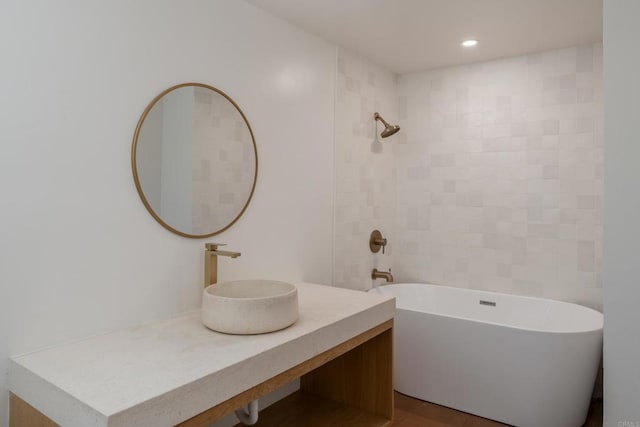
528, 362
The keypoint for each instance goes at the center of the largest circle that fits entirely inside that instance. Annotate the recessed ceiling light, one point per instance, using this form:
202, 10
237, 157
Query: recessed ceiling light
469, 43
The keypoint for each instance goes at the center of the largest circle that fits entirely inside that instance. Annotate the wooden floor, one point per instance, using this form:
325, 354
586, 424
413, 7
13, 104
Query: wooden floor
410, 412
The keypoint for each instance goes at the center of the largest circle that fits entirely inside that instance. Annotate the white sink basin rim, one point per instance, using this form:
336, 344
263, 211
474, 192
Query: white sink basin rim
246, 307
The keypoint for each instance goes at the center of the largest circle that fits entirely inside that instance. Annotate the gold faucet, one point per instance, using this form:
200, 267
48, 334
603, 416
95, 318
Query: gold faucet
375, 274
211, 254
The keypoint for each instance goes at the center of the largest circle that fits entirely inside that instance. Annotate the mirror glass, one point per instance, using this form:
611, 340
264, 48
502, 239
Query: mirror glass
194, 160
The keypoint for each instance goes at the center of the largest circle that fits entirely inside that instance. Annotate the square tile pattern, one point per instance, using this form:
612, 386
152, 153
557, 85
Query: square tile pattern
493, 183
365, 175
223, 158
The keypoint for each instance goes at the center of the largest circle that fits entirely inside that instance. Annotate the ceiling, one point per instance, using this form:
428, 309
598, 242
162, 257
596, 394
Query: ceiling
413, 35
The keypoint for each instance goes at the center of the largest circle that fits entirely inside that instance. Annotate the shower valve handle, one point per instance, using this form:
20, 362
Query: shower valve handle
376, 241
382, 242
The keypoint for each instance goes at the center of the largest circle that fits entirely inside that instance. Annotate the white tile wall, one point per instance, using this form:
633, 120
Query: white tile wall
499, 179
223, 162
365, 181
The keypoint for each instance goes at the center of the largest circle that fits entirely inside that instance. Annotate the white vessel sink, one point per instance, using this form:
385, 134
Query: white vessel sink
246, 307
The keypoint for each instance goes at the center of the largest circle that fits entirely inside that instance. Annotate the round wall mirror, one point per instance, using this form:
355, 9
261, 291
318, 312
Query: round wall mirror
194, 160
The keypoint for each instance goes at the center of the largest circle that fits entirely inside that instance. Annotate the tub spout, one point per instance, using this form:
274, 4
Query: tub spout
375, 274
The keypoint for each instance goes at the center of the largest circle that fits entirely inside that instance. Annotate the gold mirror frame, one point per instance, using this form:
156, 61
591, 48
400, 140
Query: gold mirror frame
134, 166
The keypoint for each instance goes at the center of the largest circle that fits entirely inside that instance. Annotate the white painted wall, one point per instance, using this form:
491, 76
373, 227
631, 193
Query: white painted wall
621, 213
79, 254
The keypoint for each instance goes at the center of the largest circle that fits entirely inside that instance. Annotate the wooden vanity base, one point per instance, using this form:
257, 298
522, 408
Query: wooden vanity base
306, 410
24, 415
350, 384
354, 389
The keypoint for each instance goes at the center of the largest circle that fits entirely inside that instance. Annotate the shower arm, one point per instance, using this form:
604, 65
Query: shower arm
377, 116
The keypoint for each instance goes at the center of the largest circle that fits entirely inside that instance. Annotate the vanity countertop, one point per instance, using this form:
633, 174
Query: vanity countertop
167, 372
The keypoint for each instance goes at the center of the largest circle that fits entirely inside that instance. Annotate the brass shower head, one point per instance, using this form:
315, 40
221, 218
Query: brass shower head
388, 129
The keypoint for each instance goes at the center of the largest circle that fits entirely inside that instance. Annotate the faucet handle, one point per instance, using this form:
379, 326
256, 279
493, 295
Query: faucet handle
376, 241
213, 246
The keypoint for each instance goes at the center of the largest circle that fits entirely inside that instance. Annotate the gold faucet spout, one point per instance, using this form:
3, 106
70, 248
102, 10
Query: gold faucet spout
376, 274
211, 255
225, 253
